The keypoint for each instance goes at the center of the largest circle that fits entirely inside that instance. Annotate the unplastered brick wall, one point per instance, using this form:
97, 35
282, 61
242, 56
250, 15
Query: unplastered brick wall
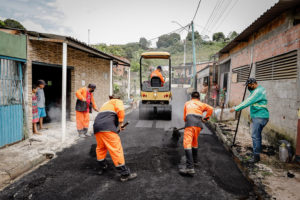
87, 69
276, 38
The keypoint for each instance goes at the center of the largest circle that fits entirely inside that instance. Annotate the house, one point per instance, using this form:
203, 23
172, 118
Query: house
269, 49
44, 57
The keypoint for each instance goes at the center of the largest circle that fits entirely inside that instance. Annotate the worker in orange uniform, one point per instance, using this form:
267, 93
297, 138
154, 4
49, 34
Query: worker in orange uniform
85, 102
193, 117
106, 124
157, 73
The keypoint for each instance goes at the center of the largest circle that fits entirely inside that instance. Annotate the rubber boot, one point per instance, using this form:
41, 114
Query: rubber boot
81, 133
189, 170
195, 156
85, 132
255, 158
125, 173
102, 166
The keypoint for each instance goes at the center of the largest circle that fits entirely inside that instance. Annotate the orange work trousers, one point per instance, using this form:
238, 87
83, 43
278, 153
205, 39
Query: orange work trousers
111, 142
190, 137
82, 120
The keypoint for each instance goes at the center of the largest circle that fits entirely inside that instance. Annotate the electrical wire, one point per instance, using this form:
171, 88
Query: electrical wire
211, 16
176, 30
196, 10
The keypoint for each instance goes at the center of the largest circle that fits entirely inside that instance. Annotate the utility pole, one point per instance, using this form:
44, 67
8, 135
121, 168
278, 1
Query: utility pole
89, 36
184, 53
194, 58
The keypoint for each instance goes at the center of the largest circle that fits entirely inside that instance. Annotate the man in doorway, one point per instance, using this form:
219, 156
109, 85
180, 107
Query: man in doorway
85, 95
157, 73
106, 125
41, 102
193, 117
258, 112
203, 93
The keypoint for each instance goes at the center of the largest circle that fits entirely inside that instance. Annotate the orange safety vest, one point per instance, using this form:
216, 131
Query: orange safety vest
81, 94
111, 114
157, 73
193, 112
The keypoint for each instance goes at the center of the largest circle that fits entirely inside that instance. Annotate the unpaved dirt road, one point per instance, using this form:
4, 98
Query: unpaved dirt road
149, 151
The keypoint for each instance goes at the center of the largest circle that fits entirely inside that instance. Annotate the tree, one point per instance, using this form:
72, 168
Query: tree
2, 24
11, 23
232, 35
219, 36
144, 44
196, 35
167, 40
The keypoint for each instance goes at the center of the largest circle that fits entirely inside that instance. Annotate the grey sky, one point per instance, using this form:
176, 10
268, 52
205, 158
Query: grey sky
123, 21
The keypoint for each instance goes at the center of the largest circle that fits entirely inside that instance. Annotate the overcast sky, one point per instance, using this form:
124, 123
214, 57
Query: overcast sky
123, 21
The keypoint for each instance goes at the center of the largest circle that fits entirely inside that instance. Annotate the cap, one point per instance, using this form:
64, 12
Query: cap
91, 85
41, 82
159, 67
250, 81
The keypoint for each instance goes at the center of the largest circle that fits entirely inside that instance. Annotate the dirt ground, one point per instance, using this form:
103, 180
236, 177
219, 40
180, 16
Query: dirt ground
270, 173
153, 154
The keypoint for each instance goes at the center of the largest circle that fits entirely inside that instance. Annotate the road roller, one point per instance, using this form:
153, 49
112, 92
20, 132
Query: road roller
155, 84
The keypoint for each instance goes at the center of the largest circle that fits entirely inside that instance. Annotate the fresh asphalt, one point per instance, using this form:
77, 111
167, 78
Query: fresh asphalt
152, 153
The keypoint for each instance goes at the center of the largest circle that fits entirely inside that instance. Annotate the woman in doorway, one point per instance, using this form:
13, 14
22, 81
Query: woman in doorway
35, 114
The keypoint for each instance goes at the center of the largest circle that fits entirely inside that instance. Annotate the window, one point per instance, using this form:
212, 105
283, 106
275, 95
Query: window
279, 67
242, 73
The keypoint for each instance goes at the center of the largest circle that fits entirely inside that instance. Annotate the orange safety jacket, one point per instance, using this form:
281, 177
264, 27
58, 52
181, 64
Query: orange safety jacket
193, 113
157, 73
111, 114
82, 94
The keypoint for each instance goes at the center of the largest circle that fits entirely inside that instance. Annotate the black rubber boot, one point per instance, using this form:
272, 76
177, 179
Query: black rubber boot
125, 173
81, 133
85, 132
255, 158
189, 170
102, 166
195, 156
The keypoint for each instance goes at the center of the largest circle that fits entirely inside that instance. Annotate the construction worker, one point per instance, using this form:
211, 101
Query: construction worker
193, 117
86, 98
107, 122
157, 73
258, 112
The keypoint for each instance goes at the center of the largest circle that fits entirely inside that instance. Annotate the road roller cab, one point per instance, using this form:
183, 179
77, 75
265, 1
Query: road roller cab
155, 82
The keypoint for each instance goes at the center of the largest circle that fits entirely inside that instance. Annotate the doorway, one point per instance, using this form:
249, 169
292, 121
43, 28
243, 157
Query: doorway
52, 75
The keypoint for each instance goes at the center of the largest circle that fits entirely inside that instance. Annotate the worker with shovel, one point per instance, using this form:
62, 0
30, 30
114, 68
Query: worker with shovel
193, 117
106, 131
258, 112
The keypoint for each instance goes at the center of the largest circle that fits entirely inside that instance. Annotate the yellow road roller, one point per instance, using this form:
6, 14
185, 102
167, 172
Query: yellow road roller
155, 84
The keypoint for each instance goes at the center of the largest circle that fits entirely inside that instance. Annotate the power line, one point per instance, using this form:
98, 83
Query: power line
223, 11
176, 30
197, 10
211, 16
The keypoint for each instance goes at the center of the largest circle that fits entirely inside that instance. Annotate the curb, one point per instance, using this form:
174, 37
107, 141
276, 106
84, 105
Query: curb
10, 175
258, 190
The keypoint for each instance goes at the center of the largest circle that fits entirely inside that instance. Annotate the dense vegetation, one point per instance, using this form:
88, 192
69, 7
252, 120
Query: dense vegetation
11, 23
173, 44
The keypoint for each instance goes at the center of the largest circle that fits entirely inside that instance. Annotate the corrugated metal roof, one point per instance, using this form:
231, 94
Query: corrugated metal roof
269, 15
67, 38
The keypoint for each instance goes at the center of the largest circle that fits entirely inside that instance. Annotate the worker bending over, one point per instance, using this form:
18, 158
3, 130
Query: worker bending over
193, 117
157, 73
107, 122
258, 112
85, 95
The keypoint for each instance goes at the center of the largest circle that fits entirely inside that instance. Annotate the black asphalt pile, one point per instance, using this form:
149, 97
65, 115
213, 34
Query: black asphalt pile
153, 154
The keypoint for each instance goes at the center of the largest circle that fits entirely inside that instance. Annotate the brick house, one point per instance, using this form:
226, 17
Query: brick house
44, 60
271, 45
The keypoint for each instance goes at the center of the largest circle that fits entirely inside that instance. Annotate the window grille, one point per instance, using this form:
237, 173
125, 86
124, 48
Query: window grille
242, 73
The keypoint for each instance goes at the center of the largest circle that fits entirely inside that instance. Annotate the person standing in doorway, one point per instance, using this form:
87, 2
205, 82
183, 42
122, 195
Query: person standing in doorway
85, 102
41, 102
258, 112
35, 112
193, 117
214, 93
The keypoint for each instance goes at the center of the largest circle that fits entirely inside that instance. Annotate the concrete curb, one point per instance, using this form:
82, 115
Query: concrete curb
258, 190
9, 175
